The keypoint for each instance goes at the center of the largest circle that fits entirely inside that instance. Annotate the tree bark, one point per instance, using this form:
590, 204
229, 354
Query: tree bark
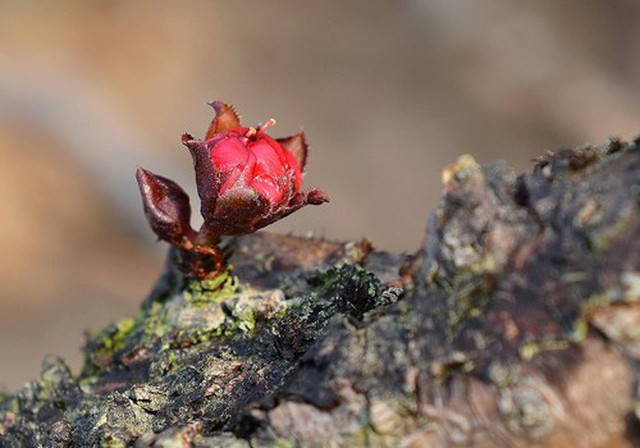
516, 324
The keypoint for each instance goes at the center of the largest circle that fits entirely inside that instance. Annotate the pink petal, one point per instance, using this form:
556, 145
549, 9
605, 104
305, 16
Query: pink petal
293, 171
269, 158
239, 176
296, 174
268, 188
229, 153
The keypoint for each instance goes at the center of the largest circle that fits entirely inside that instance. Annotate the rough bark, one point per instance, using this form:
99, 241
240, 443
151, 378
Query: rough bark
517, 324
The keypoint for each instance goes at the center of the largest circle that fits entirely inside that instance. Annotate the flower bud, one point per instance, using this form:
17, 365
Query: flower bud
166, 207
245, 179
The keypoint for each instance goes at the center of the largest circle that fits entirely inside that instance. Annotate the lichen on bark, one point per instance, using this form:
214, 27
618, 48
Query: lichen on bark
516, 324
198, 350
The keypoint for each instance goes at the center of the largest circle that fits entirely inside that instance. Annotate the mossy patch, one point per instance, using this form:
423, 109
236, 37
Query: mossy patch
202, 348
529, 349
220, 288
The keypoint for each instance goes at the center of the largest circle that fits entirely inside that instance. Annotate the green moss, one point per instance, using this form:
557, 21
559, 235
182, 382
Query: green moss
470, 300
234, 316
204, 310
220, 288
155, 323
456, 362
503, 374
627, 291
102, 346
596, 301
329, 284
579, 331
191, 337
465, 171
12, 405
601, 238
284, 443
119, 337
174, 330
530, 349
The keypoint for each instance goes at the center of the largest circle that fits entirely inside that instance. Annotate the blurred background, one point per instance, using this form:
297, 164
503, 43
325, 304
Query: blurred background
388, 93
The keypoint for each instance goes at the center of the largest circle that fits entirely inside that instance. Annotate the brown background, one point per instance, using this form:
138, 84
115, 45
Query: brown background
388, 92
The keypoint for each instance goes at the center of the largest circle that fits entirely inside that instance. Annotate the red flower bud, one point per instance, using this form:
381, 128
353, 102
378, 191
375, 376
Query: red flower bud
245, 178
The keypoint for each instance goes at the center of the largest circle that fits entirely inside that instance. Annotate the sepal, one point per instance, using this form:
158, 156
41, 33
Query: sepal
316, 197
226, 118
297, 146
205, 175
311, 197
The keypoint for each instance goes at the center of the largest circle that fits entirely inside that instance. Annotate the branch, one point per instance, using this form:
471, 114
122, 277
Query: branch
515, 325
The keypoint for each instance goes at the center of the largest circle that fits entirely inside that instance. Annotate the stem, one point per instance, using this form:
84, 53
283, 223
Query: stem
203, 262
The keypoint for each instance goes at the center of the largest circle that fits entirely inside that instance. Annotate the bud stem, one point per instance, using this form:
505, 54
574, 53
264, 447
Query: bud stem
203, 262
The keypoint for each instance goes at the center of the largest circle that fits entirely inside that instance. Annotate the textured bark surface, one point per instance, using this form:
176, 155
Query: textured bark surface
517, 324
